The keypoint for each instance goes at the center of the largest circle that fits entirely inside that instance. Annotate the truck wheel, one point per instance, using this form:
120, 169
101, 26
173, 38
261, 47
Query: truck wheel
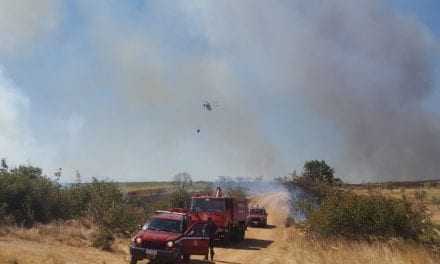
133, 260
236, 235
227, 237
242, 234
182, 259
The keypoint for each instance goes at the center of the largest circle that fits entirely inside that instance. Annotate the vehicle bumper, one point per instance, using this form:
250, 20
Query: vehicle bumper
256, 222
140, 253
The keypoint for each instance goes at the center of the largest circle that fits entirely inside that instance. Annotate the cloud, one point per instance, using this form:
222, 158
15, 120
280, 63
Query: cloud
23, 22
16, 140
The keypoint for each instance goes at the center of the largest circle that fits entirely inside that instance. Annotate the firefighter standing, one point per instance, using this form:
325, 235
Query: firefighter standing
211, 229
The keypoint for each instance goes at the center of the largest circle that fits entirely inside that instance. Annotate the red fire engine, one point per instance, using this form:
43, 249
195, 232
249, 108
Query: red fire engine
228, 213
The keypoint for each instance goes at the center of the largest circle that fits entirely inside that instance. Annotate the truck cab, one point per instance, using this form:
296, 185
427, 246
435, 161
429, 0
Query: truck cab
257, 217
169, 237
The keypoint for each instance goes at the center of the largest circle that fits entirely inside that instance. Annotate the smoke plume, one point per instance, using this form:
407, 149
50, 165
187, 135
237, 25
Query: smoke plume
358, 64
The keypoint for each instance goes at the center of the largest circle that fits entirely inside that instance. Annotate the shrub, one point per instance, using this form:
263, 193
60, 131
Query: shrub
28, 196
317, 172
103, 239
347, 214
77, 199
108, 208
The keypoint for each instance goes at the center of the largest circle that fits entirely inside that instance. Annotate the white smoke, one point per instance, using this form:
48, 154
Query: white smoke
15, 137
24, 21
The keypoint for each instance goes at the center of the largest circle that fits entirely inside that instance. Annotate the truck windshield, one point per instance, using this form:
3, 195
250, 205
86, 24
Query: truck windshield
208, 205
167, 225
257, 211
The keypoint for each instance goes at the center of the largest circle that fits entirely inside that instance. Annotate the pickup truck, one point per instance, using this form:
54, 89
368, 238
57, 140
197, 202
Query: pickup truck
169, 237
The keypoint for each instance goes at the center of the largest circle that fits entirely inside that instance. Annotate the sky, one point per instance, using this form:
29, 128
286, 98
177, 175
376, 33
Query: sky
114, 89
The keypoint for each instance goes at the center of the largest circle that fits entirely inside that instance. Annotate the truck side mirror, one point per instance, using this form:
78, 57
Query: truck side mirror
140, 227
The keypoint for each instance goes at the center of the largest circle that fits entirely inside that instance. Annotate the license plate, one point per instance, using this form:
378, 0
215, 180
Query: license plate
255, 222
151, 253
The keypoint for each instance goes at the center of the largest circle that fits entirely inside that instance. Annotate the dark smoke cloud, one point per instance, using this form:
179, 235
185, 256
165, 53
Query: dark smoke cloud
355, 63
370, 72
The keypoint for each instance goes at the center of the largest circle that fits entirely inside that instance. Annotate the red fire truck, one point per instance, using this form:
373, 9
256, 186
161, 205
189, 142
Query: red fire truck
257, 216
228, 213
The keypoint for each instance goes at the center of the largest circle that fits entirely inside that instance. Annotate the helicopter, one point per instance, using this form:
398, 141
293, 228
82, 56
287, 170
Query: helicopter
209, 106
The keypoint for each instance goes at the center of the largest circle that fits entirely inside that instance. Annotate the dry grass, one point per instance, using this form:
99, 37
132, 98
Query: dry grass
56, 243
332, 251
71, 233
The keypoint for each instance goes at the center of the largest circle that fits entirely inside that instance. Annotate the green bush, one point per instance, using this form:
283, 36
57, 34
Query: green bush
77, 199
108, 208
103, 239
29, 197
350, 215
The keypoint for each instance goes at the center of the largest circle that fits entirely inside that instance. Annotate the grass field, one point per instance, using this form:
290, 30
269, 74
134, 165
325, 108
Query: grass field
160, 185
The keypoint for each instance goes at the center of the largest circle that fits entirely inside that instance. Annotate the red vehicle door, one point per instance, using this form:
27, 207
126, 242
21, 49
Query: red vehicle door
195, 240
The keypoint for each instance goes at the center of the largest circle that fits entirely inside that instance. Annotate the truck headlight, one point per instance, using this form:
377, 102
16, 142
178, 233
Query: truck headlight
170, 244
138, 240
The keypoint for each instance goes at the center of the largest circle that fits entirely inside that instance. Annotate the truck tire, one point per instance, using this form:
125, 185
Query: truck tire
179, 259
236, 234
133, 260
242, 234
227, 237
